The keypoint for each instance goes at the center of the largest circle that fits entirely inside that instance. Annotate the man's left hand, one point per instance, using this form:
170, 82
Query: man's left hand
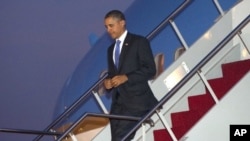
118, 80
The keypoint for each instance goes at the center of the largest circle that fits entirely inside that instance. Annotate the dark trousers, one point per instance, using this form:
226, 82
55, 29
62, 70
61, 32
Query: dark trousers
120, 128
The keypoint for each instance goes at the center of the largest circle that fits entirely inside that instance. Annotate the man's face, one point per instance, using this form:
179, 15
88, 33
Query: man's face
114, 27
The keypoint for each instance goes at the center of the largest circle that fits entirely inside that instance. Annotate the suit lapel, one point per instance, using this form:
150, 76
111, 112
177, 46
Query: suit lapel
125, 47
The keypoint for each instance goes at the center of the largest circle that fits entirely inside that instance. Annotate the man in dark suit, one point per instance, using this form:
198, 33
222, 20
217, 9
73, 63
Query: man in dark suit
128, 80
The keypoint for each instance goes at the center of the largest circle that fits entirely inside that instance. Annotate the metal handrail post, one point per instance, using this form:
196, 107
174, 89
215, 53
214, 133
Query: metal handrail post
99, 101
217, 4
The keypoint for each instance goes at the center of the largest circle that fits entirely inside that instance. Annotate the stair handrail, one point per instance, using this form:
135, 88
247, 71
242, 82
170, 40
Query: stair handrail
162, 25
36, 132
192, 72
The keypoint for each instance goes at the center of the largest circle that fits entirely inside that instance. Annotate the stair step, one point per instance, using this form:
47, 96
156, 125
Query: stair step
220, 86
180, 131
162, 135
200, 102
239, 68
185, 118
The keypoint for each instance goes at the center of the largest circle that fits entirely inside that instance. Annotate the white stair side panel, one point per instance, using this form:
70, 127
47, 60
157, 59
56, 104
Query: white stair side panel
104, 135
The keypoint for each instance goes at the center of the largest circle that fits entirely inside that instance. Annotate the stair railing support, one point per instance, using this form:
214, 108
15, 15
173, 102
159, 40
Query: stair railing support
73, 137
178, 33
143, 132
99, 101
217, 4
166, 125
209, 88
244, 44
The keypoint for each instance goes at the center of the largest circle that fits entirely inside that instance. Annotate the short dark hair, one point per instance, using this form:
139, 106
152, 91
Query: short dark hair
115, 14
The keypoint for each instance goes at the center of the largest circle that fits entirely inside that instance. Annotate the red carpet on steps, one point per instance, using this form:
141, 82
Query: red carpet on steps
200, 104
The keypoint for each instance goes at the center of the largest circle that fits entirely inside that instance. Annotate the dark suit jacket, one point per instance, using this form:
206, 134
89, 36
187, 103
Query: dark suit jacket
137, 62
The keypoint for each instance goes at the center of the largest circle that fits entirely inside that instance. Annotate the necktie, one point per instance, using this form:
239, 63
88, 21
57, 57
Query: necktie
117, 52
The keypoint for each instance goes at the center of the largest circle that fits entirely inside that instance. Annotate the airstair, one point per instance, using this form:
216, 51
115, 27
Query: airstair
194, 73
